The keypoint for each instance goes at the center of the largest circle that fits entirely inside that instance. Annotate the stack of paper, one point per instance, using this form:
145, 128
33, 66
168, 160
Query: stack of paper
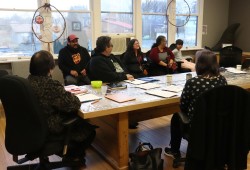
173, 88
161, 93
148, 86
135, 81
75, 89
234, 70
87, 97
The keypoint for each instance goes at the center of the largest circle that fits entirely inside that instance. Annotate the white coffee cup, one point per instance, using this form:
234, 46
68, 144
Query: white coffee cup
169, 78
238, 67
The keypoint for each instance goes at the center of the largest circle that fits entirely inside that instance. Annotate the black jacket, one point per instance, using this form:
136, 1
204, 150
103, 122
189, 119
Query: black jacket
133, 64
102, 68
73, 59
219, 131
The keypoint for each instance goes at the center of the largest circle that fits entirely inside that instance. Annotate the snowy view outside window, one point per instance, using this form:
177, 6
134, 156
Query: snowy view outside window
117, 16
188, 32
16, 31
154, 21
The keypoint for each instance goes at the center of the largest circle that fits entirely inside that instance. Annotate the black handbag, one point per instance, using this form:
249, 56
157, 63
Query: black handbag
146, 157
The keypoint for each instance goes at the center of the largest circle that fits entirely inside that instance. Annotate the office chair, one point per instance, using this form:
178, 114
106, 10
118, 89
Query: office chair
26, 130
3, 73
219, 133
230, 56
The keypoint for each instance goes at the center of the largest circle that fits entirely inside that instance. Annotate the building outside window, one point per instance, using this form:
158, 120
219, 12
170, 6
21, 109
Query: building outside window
117, 16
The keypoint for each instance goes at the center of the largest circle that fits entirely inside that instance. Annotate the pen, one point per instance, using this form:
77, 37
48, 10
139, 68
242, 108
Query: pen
95, 101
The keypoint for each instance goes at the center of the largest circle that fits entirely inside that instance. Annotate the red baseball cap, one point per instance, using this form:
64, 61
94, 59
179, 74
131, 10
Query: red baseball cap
71, 37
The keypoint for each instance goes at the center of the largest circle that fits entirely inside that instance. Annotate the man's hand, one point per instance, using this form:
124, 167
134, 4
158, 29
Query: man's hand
130, 77
83, 72
74, 73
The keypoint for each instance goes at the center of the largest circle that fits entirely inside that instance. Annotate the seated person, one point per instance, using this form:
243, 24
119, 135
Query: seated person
162, 58
179, 58
104, 66
208, 76
133, 59
72, 60
58, 105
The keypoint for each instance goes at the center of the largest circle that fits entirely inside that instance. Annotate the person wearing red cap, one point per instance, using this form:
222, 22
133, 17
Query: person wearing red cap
72, 60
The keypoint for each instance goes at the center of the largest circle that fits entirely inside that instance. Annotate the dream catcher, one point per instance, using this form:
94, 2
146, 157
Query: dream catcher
188, 14
48, 24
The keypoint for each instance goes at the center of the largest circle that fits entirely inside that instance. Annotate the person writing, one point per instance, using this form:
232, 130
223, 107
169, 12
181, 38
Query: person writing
162, 58
72, 60
58, 104
208, 77
104, 66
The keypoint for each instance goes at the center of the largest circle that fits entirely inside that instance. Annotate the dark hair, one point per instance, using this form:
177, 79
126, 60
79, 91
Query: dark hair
41, 63
179, 42
101, 43
206, 63
158, 41
130, 47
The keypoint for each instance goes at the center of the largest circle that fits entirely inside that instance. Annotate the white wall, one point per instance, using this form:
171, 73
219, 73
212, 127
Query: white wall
215, 16
239, 12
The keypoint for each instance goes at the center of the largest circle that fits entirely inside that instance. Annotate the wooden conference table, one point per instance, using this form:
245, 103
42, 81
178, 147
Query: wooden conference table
112, 139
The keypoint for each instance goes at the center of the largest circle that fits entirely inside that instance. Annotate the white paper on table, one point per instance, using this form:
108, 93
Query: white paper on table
161, 93
173, 88
87, 97
234, 70
135, 81
148, 86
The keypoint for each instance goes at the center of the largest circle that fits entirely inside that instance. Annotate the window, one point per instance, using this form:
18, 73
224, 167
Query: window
154, 21
78, 21
117, 16
188, 32
179, 24
17, 38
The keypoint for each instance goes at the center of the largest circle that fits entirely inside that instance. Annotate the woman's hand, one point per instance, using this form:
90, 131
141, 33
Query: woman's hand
130, 77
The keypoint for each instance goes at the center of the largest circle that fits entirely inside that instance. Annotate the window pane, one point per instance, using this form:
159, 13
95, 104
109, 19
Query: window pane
71, 5
183, 8
154, 6
18, 4
152, 27
188, 33
16, 35
78, 24
117, 23
117, 6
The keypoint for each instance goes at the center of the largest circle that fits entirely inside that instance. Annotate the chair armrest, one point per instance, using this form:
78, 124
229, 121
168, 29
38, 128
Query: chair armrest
70, 121
183, 118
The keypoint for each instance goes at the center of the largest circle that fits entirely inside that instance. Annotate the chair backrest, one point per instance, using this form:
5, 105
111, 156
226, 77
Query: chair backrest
3, 73
230, 56
172, 46
220, 128
26, 127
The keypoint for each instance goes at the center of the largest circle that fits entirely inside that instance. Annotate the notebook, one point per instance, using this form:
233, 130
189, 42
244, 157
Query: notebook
173, 88
120, 98
75, 89
87, 97
148, 86
148, 79
161, 93
135, 81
